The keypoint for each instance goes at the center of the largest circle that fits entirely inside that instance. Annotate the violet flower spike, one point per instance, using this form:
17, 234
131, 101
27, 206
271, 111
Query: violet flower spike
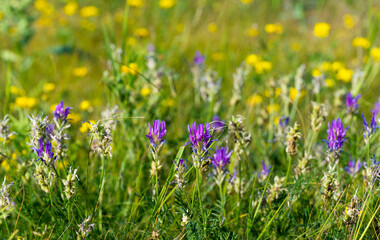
200, 137
265, 170
283, 122
336, 135
61, 113
157, 133
221, 158
352, 102
199, 59
371, 129
353, 167
217, 124
44, 152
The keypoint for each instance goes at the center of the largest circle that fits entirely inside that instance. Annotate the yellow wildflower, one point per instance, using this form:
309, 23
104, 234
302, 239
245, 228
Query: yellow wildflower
48, 87
44, 7
375, 53
293, 93
131, 41
349, 21
246, 1
277, 91
361, 42
329, 82
326, 66
252, 59
132, 68
70, 8
85, 105
252, 32
136, 3
145, 91
254, 100
316, 72
344, 74
25, 102
337, 65
263, 66
212, 27
273, 28
322, 29
142, 32
74, 117
5, 166
89, 11
80, 71
16, 91
273, 108
166, 4
86, 126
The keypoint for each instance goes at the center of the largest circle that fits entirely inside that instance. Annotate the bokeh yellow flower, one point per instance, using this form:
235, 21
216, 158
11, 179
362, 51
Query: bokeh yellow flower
25, 102
273, 108
254, 100
131, 41
88, 25
316, 72
212, 27
246, 1
361, 42
326, 66
375, 53
293, 93
145, 91
252, 59
252, 31
322, 29
16, 91
48, 87
71, 8
80, 71
136, 3
263, 66
349, 21
330, 82
89, 11
273, 28
85, 127
74, 117
44, 7
142, 32
166, 4
132, 69
85, 105
344, 74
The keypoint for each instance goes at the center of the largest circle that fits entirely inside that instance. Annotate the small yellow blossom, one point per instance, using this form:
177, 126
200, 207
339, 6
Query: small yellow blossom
361, 42
252, 32
44, 7
212, 27
316, 72
131, 41
25, 102
218, 56
273, 108
293, 93
52, 107
375, 53
166, 4
48, 87
5, 166
16, 91
252, 59
326, 66
277, 91
145, 91
136, 3
71, 8
344, 74
80, 71
335, 66
74, 117
246, 1
349, 21
44, 21
322, 29
85, 105
329, 82
142, 32
132, 69
273, 28
267, 93
263, 66
86, 126
254, 100
89, 11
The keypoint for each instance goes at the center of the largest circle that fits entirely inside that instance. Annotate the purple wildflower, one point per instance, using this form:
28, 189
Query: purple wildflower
199, 59
44, 152
336, 135
283, 122
60, 113
353, 167
221, 158
157, 133
371, 129
351, 102
180, 172
265, 170
217, 124
200, 137
231, 180
376, 109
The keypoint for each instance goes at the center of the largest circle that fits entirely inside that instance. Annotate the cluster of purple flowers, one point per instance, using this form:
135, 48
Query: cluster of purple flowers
61, 113
353, 167
371, 129
200, 137
283, 122
199, 59
157, 133
352, 102
336, 135
221, 158
44, 152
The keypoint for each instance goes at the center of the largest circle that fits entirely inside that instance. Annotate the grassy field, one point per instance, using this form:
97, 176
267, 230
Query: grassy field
174, 119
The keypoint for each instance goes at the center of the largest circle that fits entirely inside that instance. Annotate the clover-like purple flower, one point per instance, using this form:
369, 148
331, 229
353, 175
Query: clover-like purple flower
60, 113
217, 124
336, 135
283, 122
221, 158
44, 152
200, 137
265, 170
371, 129
199, 59
353, 167
157, 133
352, 102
